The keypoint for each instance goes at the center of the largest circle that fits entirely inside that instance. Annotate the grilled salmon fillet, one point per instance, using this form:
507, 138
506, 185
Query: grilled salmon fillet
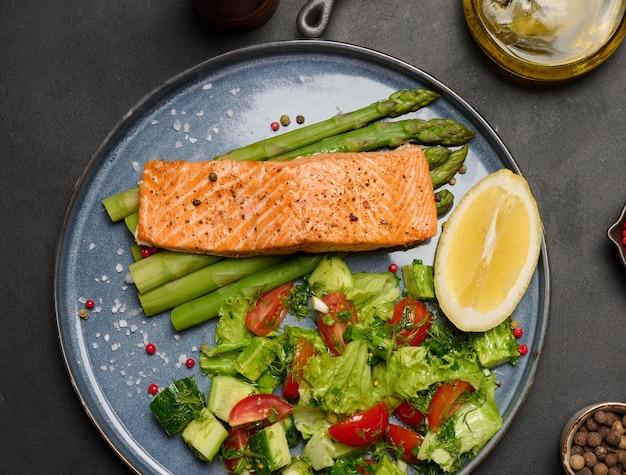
321, 203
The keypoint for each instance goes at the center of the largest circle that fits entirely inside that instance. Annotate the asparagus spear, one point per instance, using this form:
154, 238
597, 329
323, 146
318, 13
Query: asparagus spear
122, 204
202, 282
436, 155
400, 102
204, 308
131, 222
443, 173
166, 266
389, 134
444, 199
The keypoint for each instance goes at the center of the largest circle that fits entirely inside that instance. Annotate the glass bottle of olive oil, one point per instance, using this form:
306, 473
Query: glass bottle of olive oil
551, 32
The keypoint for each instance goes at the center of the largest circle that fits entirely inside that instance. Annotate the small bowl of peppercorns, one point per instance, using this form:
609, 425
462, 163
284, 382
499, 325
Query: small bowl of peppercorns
617, 235
594, 441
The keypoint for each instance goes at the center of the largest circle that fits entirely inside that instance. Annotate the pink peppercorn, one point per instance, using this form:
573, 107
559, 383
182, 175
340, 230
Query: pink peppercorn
190, 363
90, 304
153, 389
518, 332
522, 349
393, 268
275, 126
151, 348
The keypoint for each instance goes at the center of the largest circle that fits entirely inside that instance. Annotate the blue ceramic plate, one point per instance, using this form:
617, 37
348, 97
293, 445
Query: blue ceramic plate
215, 107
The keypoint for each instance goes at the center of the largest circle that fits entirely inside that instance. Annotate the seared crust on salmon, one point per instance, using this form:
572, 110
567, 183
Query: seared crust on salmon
322, 203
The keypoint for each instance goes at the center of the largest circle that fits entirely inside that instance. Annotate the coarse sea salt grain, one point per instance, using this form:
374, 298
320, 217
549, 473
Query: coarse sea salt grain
230, 113
120, 251
199, 113
216, 130
119, 268
208, 137
154, 122
177, 125
92, 246
115, 346
193, 139
178, 144
136, 166
118, 306
181, 360
207, 86
186, 127
173, 112
235, 91
123, 323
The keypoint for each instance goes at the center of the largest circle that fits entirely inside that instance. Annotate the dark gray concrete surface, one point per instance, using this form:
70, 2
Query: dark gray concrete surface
69, 70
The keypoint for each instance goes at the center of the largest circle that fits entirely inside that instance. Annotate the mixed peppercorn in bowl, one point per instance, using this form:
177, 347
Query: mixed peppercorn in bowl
593, 441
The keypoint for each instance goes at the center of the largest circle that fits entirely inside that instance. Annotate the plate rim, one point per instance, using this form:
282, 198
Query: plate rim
278, 48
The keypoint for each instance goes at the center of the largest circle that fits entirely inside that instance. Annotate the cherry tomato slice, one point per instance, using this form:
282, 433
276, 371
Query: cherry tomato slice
444, 402
259, 410
332, 325
232, 453
269, 310
411, 321
405, 442
408, 414
303, 351
363, 428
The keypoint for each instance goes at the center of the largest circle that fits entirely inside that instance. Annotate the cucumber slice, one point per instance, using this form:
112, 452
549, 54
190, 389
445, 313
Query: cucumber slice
225, 392
270, 449
205, 435
177, 404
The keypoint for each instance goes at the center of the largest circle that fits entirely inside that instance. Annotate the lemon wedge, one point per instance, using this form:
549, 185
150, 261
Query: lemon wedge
488, 252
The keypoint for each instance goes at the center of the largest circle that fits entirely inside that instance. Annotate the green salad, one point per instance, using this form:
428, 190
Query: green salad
379, 382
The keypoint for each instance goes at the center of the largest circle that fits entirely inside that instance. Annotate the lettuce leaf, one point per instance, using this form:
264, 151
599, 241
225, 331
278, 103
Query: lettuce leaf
374, 295
231, 326
341, 384
467, 431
